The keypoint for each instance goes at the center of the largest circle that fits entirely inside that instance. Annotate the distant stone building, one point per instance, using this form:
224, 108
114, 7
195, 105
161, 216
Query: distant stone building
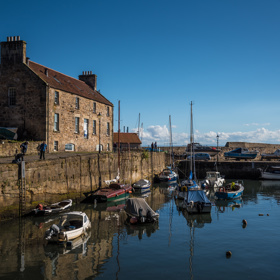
44, 104
128, 141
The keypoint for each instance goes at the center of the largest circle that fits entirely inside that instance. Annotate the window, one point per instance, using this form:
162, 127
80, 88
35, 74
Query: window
94, 127
94, 107
12, 96
108, 147
55, 146
86, 128
77, 103
56, 97
56, 122
70, 147
108, 111
77, 121
108, 129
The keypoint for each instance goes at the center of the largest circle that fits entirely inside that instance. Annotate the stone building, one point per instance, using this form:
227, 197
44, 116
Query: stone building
45, 105
128, 141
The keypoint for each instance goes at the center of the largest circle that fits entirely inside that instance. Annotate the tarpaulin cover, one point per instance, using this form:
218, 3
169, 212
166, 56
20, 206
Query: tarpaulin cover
133, 205
197, 196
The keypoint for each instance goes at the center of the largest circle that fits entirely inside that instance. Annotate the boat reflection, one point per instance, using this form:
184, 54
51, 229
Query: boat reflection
222, 205
77, 246
141, 229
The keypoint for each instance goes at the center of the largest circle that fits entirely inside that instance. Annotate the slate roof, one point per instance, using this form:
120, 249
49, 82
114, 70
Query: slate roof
131, 138
66, 83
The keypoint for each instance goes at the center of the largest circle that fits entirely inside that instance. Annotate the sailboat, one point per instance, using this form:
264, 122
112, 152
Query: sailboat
190, 181
195, 199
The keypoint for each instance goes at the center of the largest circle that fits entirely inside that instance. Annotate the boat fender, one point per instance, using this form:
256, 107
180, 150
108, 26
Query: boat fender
184, 189
192, 204
39, 207
133, 220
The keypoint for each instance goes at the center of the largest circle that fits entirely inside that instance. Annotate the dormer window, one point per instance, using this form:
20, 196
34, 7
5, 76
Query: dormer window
77, 103
56, 97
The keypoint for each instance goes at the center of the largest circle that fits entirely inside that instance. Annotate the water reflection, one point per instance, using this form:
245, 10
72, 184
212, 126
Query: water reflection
232, 204
109, 251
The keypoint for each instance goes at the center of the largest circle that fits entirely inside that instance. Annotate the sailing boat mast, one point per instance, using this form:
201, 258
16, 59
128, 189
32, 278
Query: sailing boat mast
119, 129
171, 144
192, 163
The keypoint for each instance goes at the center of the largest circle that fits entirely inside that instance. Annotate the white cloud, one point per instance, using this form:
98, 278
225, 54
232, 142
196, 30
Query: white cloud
257, 124
161, 135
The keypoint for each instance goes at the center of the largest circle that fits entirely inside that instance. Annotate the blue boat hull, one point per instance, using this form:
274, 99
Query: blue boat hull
229, 194
240, 156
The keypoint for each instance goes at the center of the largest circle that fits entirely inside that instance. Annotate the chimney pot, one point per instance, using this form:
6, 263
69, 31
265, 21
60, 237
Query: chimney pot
46, 72
15, 38
18, 38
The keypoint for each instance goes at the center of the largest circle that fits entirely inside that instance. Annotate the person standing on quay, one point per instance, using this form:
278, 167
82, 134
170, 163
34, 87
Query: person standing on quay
43, 148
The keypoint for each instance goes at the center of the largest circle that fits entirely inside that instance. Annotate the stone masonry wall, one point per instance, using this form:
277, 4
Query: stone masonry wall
67, 112
29, 112
52, 180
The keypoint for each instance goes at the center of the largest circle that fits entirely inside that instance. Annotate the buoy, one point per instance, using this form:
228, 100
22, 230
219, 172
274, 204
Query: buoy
267, 214
130, 191
228, 254
244, 222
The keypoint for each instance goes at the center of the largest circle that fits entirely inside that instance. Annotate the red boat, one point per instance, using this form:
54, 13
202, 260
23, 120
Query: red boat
113, 192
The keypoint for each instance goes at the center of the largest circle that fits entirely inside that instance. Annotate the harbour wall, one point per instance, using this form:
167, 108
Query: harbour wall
230, 169
59, 178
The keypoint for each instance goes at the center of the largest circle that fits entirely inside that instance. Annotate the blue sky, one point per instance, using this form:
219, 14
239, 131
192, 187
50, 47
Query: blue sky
156, 56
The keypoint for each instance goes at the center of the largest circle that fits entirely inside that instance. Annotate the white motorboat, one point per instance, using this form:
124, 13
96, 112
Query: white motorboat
142, 185
70, 226
213, 179
270, 173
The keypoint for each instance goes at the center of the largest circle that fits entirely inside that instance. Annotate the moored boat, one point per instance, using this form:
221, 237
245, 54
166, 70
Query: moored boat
114, 192
270, 173
213, 179
139, 211
71, 226
54, 208
230, 191
142, 185
167, 175
197, 202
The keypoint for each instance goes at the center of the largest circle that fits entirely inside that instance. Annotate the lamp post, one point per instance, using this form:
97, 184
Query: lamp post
99, 117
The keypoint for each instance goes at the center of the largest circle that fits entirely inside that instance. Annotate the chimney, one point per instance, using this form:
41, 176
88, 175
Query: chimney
46, 72
89, 78
13, 51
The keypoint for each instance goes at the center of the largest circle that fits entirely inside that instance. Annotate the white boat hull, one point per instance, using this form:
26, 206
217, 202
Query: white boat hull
270, 176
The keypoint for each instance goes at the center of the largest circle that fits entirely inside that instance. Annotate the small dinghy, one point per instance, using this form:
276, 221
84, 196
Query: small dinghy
142, 185
230, 191
54, 208
139, 211
71, 226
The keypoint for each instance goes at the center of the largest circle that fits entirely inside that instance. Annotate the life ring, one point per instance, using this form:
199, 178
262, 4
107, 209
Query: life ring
184, 189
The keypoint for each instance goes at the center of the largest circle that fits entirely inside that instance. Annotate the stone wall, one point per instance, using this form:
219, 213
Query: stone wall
69, 177
67, 112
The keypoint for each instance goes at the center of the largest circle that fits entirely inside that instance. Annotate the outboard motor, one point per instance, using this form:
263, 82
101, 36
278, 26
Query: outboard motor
54, 229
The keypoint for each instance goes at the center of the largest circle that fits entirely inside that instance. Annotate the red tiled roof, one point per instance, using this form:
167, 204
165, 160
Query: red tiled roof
131, 138
66, 83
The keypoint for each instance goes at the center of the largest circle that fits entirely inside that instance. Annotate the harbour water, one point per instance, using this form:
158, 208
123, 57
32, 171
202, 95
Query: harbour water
180, 246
